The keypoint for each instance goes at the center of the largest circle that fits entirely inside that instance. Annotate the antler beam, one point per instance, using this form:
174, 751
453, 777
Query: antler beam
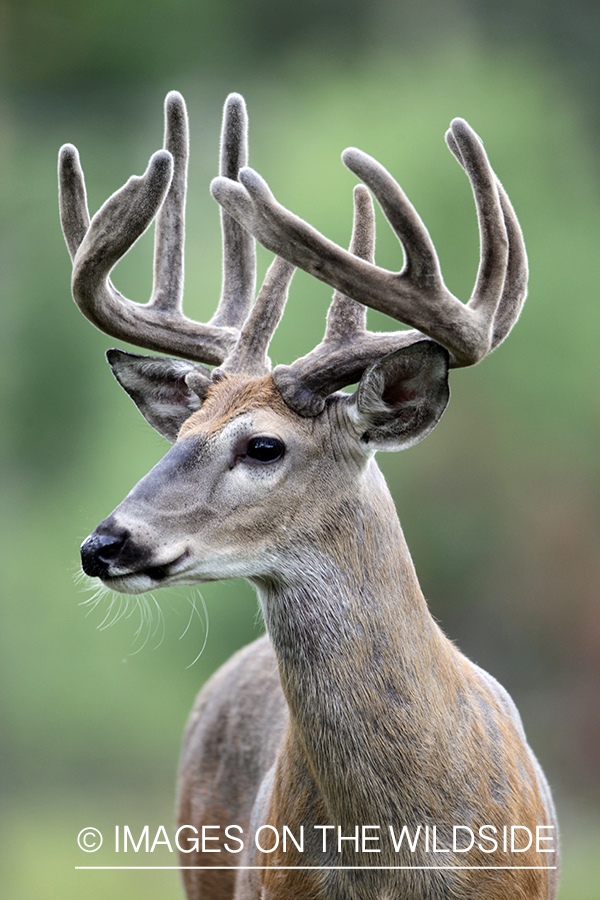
97, 245
417, 295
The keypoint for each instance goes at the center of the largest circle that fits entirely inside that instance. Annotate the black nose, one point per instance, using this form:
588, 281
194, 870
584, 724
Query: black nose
99, 550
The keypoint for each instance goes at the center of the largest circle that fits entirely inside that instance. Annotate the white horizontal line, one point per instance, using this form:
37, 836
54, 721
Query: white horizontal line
233, 868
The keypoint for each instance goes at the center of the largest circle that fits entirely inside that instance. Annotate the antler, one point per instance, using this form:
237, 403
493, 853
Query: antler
96, 247
416, 296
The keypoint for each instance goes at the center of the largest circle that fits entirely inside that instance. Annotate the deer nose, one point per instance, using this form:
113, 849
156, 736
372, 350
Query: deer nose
99, 550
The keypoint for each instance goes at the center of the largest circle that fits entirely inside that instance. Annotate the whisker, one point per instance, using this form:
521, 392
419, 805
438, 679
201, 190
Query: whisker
160, 621
121, 602
151, 617
100, 592
142, 606
195, 609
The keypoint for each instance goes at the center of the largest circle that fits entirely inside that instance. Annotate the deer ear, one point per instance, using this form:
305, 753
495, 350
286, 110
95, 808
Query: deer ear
166, 391
401, 397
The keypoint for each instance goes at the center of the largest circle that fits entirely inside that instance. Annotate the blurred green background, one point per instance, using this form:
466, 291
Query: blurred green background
501, 504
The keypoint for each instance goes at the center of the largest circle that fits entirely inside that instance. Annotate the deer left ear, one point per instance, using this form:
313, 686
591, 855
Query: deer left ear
166, 391
401, 397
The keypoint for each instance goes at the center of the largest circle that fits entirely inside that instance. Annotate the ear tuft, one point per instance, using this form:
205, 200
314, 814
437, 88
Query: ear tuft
166, 391
401, 397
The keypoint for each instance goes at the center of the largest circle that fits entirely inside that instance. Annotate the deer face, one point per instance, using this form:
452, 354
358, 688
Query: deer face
220, 500
248, 479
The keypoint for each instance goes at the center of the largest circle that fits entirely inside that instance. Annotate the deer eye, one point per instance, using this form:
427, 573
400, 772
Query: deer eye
265, 449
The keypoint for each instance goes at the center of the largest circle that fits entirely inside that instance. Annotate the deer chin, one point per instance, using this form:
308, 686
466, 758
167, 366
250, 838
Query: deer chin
135, 583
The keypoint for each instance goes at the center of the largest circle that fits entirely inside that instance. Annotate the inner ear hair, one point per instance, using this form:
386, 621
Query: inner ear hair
402, 396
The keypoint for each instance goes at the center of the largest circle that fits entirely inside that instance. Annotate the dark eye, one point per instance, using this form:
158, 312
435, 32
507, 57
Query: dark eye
265, 449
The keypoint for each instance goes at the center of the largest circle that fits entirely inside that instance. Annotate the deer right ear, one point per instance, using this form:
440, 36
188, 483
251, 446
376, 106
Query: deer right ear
401, 397
166, 391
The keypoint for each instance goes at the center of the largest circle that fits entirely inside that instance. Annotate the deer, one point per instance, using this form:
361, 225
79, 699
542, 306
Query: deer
340, 755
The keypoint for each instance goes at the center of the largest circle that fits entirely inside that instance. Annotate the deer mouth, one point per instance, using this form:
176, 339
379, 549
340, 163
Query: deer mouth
111, 555
139, 581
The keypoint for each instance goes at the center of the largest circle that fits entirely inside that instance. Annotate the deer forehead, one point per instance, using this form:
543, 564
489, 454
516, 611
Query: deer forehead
255, 402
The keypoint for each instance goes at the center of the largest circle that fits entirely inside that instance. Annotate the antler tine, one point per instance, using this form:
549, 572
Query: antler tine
72, 199
257, 321
169, 238
514, 291
502, 246
421, 267
249, 356
239, 248
468, 149
346, 317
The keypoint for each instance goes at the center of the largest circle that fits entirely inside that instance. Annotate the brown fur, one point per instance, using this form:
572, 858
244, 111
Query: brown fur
230, 397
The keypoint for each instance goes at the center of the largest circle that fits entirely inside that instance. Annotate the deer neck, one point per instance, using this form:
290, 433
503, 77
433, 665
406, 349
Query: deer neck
354, 638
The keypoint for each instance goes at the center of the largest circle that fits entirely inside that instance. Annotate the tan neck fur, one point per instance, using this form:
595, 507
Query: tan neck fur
354, 638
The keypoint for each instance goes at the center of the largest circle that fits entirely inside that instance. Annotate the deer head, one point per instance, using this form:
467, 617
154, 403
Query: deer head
260, 458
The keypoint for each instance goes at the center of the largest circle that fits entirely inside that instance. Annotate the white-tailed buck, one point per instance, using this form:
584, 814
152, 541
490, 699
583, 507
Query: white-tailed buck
354, 752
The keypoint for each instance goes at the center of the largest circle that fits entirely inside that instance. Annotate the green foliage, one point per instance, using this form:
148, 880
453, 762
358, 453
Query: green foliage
73, 46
